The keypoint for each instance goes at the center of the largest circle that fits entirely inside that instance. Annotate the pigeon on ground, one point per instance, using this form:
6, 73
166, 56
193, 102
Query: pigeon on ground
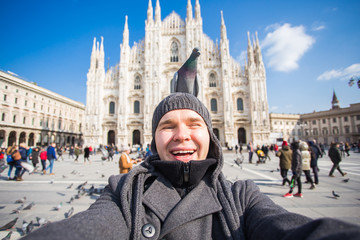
22, 200
70, 186
29, 227
28, 207
91, 190
69, 213
64, 176
71, 200
2, 207
102, 175
185, 79
9, 225
24, 226
78, 195
58, 207
41, 221
51, 181
346, 180
18, 210
335, 194
8, 236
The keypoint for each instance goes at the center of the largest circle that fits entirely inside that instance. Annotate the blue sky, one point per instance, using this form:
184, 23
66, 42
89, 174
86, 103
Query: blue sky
310, 48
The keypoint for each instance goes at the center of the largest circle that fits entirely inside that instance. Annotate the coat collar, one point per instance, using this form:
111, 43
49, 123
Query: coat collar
174, 211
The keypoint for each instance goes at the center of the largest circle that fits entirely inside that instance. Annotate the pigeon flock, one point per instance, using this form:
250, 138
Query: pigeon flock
24, 205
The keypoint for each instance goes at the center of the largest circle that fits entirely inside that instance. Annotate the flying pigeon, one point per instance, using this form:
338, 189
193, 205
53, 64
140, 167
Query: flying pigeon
346, 180
8, 236
185, 79
9, 225
335, 194
28, 207
70, 186
58, 207
69, 213
81, 185
18, 210
22, 200
71, 200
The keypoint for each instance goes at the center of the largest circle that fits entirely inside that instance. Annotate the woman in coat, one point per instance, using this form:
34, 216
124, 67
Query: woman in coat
35, 156
125, 162
306, 159
285, 155
296, 167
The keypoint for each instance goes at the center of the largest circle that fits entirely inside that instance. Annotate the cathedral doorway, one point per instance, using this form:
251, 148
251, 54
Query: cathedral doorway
12, 138
216, 132
111, 137
242, 136
136, 137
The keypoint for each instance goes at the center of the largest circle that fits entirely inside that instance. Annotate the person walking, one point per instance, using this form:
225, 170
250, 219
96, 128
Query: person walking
347, 149
35, 156
59, 152
335, 157
285, 156
51, 156
251, 151
11, 162
87, 154
296, 167
71, 152
306, 158
43, 158
314, 160
19, 171
77, 153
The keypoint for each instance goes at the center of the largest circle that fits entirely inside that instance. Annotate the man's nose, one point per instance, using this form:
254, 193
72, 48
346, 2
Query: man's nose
182, 133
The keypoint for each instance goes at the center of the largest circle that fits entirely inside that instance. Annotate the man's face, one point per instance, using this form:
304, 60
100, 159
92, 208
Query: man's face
182, 135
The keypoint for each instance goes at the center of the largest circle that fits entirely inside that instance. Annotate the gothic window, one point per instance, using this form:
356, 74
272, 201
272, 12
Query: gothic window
213, 104
174, 52
347, 129
137, 83
3, 117
324, 120
14, 119
240, 104
212, 80
112, 108
136, 107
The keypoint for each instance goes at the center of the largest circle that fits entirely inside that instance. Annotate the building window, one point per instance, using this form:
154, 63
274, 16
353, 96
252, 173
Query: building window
59, 125
213, 104
41, 123
174, 52
315, 131
299, 132
5, 97
335, 130
112, 108
137, 83
14, 119
358, 128
15, 100
6, 87
212, 80
24, 120
324, 121
42, 107
136, 107
357, 117
25, 103
314, 122
345, 119
334, 120
3, 117
34, 105
347, 129
240, 104
324, 131
33, 121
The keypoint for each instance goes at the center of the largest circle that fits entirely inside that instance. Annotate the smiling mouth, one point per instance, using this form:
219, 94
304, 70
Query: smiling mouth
183, 153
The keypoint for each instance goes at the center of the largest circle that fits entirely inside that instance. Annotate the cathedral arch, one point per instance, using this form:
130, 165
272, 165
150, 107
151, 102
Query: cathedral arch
241, 136
212, 80
174, 51
136, 106
240, 104
112, 107
137, 82
111, 137
12, 138
217, 134
31, 140
213, 105
136, 137
22, 138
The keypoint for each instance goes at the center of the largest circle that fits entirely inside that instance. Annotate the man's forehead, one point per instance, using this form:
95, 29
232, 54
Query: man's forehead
186, 113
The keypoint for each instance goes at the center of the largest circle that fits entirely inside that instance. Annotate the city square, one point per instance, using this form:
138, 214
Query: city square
47, 191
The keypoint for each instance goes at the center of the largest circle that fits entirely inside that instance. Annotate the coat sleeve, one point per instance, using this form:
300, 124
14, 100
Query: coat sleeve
123, 163
103, 220
263, 219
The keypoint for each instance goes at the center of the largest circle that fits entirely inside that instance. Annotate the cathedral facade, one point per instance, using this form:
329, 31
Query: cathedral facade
121, 100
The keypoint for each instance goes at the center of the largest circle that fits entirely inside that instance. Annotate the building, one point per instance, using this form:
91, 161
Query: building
120, 101
37, 116
337, 124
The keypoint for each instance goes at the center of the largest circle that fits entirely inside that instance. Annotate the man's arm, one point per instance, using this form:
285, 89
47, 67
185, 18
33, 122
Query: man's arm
103, 220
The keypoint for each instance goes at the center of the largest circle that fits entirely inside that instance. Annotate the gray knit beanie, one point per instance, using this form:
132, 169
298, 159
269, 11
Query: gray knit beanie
179, 101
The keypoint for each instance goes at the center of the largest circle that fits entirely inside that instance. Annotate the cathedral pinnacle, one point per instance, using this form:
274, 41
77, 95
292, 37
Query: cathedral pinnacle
126, 33
157, 12
150, 12
189, 12
223, 27
250, 52
197, 11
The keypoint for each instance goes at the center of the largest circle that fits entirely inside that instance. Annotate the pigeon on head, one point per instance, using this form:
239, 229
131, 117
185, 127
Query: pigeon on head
185, 79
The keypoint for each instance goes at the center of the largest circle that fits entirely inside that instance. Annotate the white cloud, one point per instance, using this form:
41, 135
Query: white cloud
242, 57
343, 74
285, 46
273, 108
318, 28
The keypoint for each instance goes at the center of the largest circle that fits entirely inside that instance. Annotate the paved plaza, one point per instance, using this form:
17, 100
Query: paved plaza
49, 191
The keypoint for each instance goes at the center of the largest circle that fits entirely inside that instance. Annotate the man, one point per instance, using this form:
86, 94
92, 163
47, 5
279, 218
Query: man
125, 162
251, 151
51, 156
180, 192
335, 157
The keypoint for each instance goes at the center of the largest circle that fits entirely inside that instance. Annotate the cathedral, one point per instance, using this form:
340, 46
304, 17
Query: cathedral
120, 100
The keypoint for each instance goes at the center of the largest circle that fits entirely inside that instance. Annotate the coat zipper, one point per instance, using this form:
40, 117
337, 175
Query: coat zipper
186, 173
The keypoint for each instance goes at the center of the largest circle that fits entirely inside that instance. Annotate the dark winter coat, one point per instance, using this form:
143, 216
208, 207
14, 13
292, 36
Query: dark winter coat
285, 155
334, 154
316, 153
296, 163
35, 157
